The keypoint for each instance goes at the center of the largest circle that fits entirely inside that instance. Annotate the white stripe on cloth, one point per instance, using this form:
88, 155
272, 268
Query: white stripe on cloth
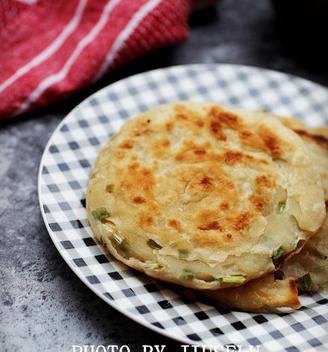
51, 49
124, 35
28, 2
46, 83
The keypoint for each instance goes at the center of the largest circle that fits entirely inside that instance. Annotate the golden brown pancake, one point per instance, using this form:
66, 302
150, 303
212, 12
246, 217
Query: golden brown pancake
261, 295
204, 196
313, 259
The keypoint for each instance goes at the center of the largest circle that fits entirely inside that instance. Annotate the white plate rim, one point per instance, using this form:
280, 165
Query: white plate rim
63, 254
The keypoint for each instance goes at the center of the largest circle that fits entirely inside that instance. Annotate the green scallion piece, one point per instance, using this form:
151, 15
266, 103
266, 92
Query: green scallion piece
118, 239
109, 188
187, 275
232, 279
101, 241
277, 256
183, 253
153, 244
100, 214
305, 283
281, 207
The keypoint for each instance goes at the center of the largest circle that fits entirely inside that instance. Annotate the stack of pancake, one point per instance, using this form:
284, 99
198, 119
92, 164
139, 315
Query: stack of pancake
228, 202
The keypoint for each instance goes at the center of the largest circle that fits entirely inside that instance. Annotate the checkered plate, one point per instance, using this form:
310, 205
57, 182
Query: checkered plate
67, 162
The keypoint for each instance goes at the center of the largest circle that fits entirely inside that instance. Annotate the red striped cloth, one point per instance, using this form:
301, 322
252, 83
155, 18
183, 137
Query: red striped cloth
49, 49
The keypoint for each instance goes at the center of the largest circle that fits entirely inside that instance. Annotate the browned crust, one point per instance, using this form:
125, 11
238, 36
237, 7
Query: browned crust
318, 135
321, 140
261, 295
322, 131
137, 182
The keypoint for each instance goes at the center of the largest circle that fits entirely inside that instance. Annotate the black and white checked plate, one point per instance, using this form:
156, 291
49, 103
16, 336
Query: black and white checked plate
64, 171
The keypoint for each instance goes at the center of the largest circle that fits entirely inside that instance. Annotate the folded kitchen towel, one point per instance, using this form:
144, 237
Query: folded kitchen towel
49, 49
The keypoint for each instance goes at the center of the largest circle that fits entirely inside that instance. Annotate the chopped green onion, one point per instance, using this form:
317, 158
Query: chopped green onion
153, 244
120, 245
187, 275
232, 279
109, 188
279, 275
281, 207
100, 214
305, 283
101, 241
118, 239
183, 253
277, 255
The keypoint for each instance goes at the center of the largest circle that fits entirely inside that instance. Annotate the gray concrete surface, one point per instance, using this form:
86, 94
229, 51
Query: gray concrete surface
43, 305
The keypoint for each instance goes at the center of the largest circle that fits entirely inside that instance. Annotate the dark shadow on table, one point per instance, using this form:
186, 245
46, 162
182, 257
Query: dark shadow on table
302, 27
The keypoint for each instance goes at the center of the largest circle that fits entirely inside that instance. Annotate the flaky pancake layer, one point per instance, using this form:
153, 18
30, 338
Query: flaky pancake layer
204, 196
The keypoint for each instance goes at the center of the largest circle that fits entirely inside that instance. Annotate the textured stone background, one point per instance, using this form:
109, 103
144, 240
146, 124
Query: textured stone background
43, 305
